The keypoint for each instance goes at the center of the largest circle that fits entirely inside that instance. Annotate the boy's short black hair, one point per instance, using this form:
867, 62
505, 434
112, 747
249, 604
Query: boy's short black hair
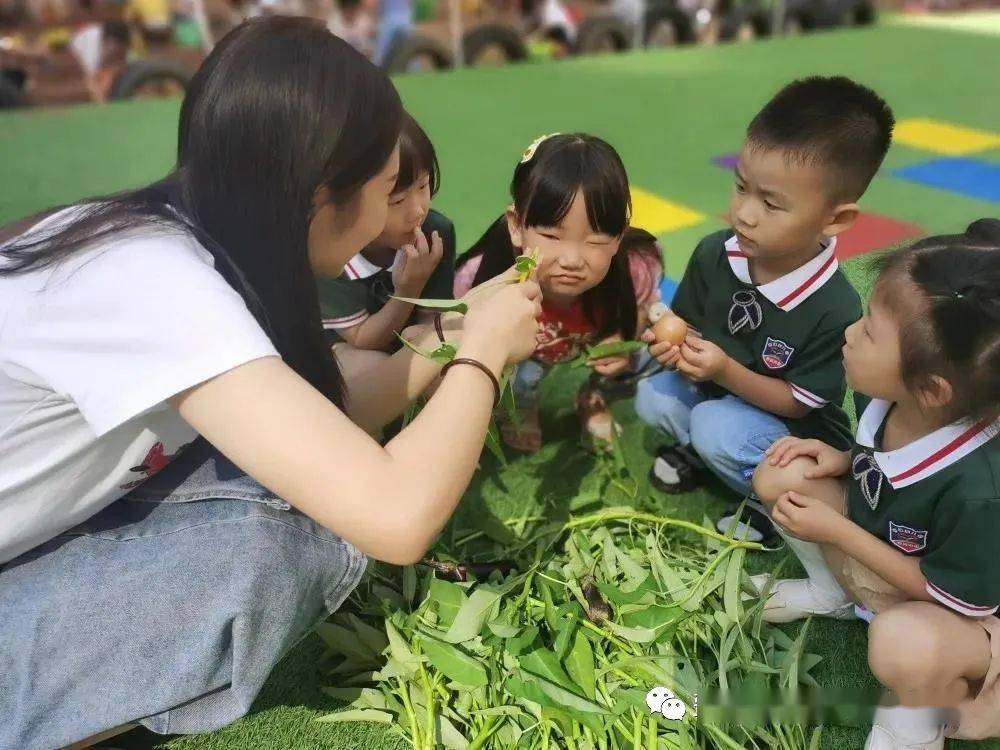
835, 122
416, 155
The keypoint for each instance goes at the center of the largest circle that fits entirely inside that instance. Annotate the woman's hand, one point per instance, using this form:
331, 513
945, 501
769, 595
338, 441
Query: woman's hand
505, 318
807, 518
829, 461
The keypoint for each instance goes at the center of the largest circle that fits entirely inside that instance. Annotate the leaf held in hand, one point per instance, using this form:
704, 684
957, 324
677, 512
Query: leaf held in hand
441, 305
614, 349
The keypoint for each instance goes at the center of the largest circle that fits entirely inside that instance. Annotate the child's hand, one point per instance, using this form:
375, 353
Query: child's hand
701, 360
609, 367
417, 263
664, 353
807, 518
829, 461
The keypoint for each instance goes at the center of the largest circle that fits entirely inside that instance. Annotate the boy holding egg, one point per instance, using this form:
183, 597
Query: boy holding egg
764, 303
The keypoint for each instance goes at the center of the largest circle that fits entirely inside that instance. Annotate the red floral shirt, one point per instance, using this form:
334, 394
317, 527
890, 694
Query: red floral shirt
564, 331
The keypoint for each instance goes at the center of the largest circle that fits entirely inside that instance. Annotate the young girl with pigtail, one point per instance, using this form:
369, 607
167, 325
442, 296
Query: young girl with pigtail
901, 529
571, 204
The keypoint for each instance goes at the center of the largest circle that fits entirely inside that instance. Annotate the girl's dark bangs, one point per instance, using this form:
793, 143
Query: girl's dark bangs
416, 156
559, 179
410, 165
552, 195
608, 203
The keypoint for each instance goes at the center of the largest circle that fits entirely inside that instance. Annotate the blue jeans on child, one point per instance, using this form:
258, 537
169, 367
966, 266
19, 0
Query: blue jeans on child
169, 608
527, 377
727, 433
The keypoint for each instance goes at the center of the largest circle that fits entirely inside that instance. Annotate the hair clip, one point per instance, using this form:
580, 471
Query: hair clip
529, 152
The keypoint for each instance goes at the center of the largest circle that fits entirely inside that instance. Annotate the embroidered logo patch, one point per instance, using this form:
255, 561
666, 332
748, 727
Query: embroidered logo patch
745, 313
776, 354
869, 477
907, 539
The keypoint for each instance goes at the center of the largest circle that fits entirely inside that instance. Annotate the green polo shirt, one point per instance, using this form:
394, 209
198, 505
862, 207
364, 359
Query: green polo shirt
364, 287
938, 499
791, 328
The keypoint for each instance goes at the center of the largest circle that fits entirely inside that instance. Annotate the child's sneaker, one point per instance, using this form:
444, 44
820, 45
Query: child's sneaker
793, 599
901, 728
753, 525
675, 470
526, 434
598, 428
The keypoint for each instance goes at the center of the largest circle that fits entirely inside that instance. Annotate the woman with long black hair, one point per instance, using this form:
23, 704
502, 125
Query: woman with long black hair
180, 320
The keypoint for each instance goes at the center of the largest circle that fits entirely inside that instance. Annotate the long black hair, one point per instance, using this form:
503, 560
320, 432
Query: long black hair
543, 189
280, 108
945, 293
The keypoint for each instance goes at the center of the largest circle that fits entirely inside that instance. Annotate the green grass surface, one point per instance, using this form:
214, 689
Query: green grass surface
668, 114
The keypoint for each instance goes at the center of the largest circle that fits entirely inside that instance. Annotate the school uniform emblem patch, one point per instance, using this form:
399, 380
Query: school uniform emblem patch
776, 354
869, 477
745, 313
907, 539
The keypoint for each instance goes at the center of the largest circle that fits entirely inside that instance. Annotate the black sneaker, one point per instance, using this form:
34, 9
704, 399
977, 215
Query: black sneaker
752, 524
674, 471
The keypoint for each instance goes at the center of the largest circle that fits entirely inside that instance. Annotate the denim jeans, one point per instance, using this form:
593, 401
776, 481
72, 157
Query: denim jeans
727, 433
169, 607
525, 383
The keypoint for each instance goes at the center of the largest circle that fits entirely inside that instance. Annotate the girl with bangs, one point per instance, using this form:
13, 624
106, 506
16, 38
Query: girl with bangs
598, 276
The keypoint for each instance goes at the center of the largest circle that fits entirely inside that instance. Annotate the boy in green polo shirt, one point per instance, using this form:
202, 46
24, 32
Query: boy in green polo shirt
766, 301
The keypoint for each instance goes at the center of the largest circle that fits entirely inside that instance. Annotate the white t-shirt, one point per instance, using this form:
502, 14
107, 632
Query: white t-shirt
90, 351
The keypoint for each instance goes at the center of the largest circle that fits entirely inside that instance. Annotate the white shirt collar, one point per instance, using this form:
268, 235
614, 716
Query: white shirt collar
793, 288
924, 457
359, 267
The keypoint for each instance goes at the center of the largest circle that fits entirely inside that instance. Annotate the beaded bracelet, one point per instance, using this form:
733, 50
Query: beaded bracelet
480, 366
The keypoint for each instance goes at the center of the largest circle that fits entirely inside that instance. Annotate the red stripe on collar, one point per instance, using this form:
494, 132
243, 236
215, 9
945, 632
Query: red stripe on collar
946, 450
808, 282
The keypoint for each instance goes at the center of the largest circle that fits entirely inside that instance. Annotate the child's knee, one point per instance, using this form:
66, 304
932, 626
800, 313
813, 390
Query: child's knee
657, 407
905, 648
771, 482
645, 403
714, 441
722, 437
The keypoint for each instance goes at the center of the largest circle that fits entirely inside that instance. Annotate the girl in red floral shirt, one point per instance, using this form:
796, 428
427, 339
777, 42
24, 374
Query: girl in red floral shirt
571, 202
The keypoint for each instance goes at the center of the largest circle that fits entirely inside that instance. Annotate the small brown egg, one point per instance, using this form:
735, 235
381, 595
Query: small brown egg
670, 329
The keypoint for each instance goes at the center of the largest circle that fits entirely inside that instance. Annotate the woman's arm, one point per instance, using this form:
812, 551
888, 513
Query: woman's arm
392, 501
380, 394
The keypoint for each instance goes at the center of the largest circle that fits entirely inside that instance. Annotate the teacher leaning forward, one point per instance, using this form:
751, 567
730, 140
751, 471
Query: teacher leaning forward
132, 325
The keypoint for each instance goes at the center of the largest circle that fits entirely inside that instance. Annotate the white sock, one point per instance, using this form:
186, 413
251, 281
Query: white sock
910, 724
822, 581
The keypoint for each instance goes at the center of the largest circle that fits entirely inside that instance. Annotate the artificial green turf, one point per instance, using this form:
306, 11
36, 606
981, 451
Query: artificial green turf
668, 114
